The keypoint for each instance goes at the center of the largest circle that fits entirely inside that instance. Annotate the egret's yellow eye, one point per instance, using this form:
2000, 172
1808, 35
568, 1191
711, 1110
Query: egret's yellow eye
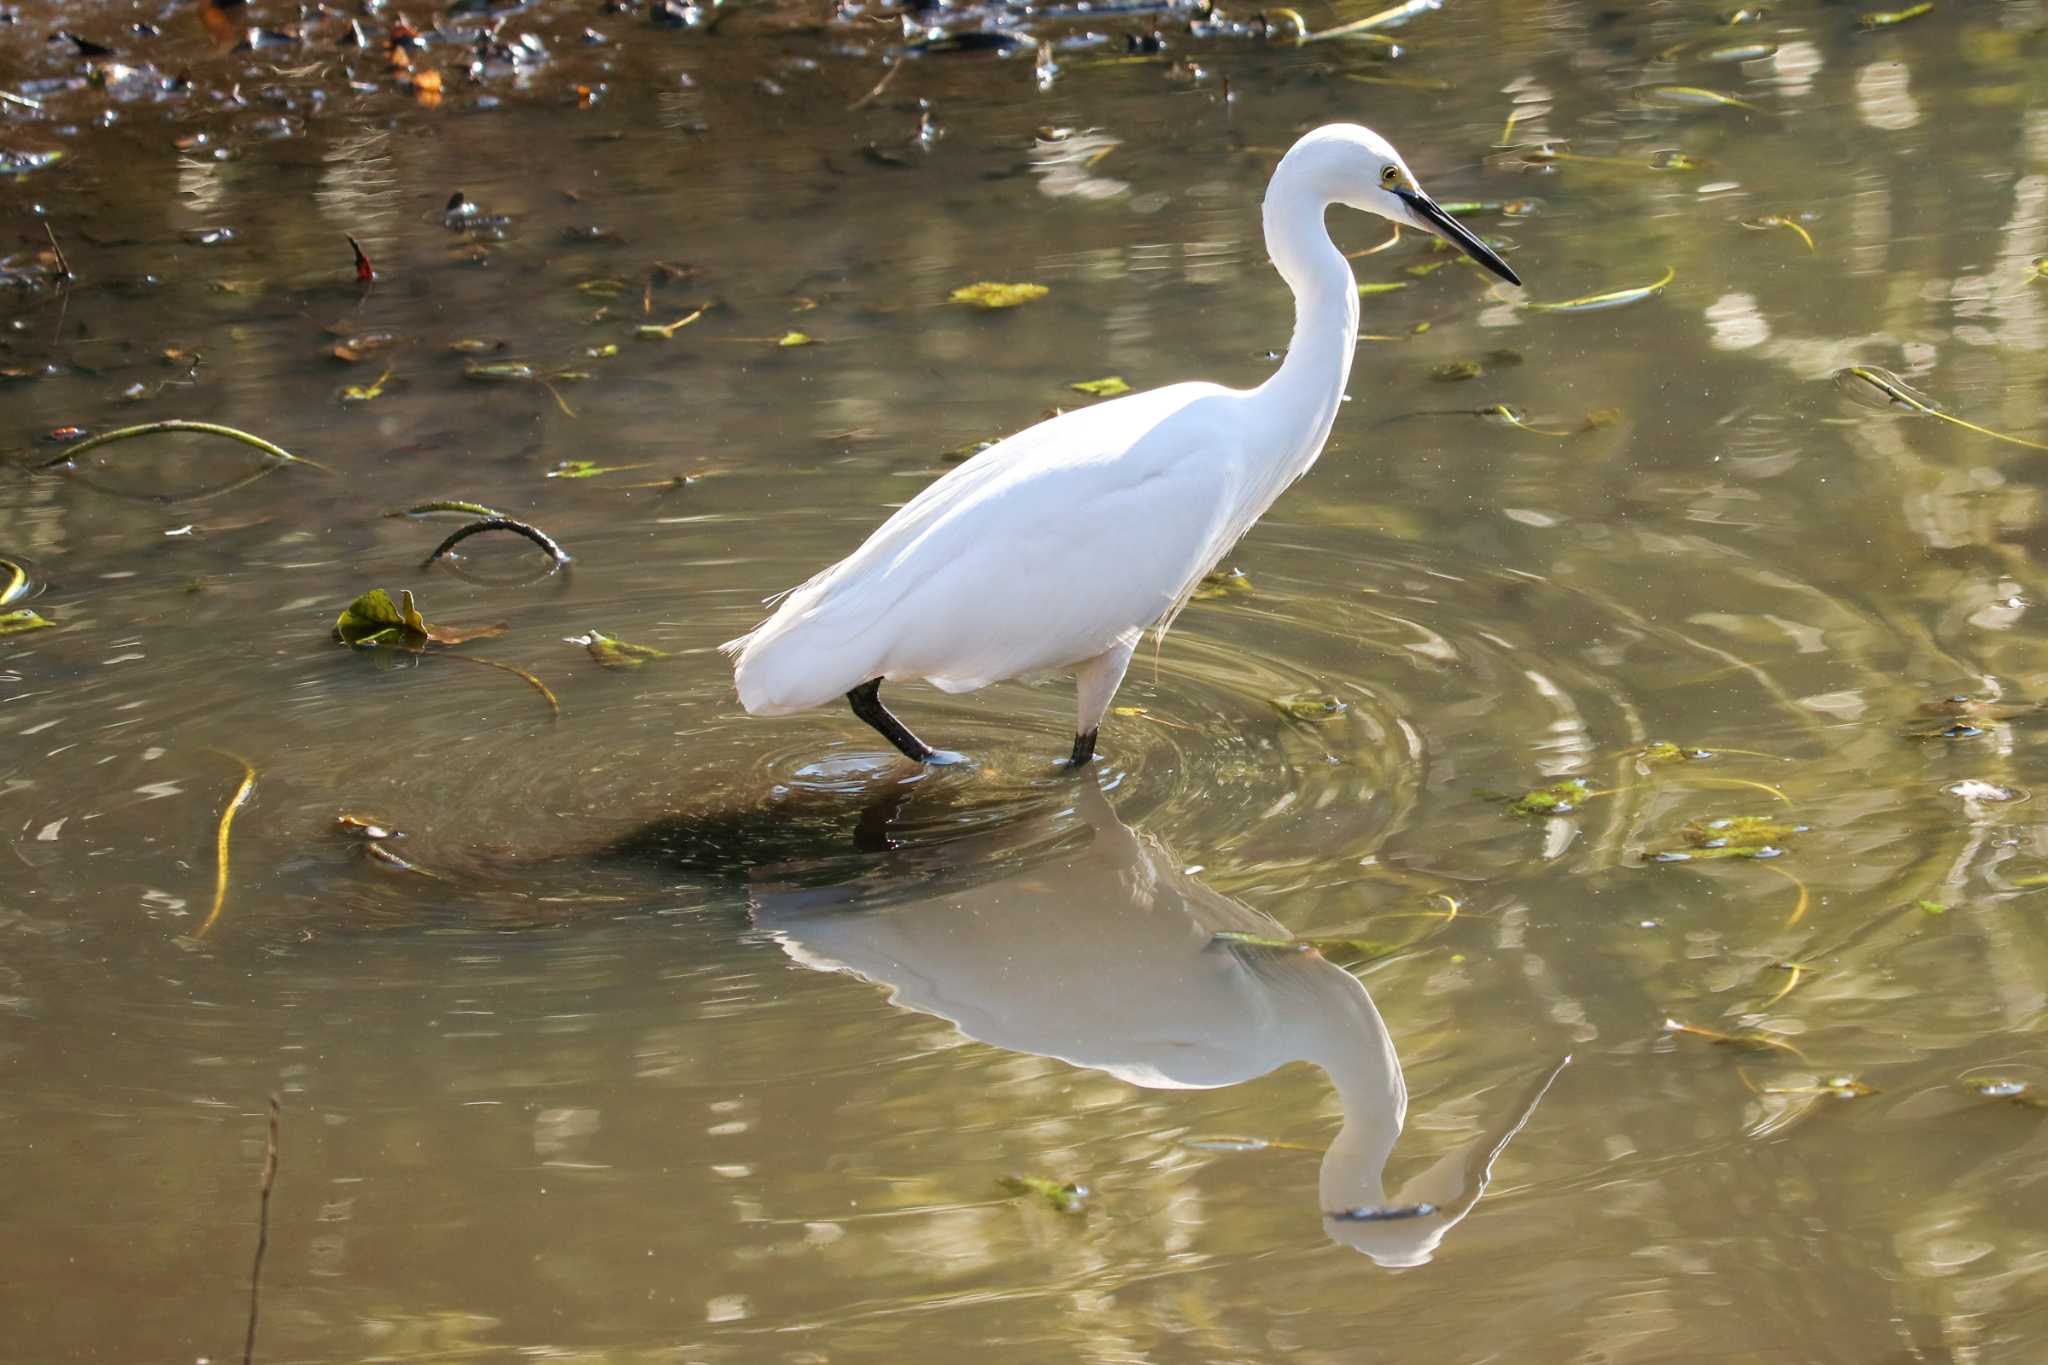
1390, 177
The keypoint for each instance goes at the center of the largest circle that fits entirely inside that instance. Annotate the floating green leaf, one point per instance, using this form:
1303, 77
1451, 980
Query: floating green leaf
1222, 583
1559, 798
1932, 907
364, 393
373, 620
1733, 836
1309, 706
1108, 387
796, 339
1456, 371
1382, 287
1060, 1198
21, 620
616, 653
989, 294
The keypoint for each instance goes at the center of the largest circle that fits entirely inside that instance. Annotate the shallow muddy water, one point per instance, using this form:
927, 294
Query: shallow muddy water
693, 1037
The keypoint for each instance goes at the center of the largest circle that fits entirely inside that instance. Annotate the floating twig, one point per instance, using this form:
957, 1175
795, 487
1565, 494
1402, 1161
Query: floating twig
495, 522
278, 453
227, 818
474, 509
63, 265
554, 706
262, 1234
880, 86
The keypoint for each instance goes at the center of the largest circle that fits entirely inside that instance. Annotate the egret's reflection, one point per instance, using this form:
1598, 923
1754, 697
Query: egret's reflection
1105, 957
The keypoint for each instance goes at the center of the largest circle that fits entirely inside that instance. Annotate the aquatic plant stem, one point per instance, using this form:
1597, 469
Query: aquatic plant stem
262, 1234
547, 543
275, 452
227, 818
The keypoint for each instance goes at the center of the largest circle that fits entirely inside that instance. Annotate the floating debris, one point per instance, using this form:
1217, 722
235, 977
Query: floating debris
1878, 388
1314, 707
548, 544
1060, 1198
988, 294
1617, 298
1779, 220
372, 620
1754, 1040
277, 453
446, 505
1559, 798
1734, 836
1222, 583
23, 620
615, 653
1692, 97
1456, 371
227, 818
2008, 1088
1108, 387
1879, 19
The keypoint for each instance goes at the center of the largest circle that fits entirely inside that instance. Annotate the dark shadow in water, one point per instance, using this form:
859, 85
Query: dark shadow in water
1105, 957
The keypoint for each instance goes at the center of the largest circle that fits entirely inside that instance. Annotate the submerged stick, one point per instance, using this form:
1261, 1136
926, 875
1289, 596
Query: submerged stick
227, 818
262, 1234
547, 543
275, 452
63, 266
554, 706
880, 86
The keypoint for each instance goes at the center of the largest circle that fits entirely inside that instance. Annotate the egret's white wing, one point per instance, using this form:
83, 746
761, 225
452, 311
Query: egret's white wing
1042, 551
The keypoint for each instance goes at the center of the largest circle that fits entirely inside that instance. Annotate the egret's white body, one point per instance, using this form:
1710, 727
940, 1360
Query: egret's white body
1056, 548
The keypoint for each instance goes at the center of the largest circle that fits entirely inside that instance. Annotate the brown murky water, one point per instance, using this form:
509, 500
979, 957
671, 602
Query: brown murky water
714, 1039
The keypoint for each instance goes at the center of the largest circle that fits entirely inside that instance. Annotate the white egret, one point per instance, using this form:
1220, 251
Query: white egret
1056, 548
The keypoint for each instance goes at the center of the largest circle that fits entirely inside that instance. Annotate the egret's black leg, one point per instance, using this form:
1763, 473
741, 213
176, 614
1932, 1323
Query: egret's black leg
867, 704
1084, 748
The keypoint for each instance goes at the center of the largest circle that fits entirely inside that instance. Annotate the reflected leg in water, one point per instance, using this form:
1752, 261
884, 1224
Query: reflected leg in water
867, 704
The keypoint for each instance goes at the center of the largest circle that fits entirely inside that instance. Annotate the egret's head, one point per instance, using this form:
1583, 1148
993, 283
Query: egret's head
1358, 168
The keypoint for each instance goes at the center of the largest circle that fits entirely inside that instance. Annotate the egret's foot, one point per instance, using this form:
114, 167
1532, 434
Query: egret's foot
1084, 749
866, 701
945, 758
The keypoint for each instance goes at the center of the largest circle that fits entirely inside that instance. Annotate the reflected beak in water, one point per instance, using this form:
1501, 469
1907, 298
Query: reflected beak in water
1430, 218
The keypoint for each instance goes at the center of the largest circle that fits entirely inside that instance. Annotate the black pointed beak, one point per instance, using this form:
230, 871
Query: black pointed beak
1433, 219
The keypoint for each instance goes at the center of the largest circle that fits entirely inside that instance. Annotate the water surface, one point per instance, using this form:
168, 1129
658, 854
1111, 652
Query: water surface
713, 1039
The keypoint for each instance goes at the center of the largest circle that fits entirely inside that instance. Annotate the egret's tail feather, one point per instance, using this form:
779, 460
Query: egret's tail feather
736, 646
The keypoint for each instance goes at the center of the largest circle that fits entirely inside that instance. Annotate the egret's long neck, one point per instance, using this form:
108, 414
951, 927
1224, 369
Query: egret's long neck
1304, 394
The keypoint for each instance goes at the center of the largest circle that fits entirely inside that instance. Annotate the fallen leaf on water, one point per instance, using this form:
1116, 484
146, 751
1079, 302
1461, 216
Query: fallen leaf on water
1558, 798
1108, 387
796, 339
1222, 583
1060, 1198
616, 653
22, 619
373, 620
1454, 371
1779, 220
364, 393
1309, 706
988, 294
